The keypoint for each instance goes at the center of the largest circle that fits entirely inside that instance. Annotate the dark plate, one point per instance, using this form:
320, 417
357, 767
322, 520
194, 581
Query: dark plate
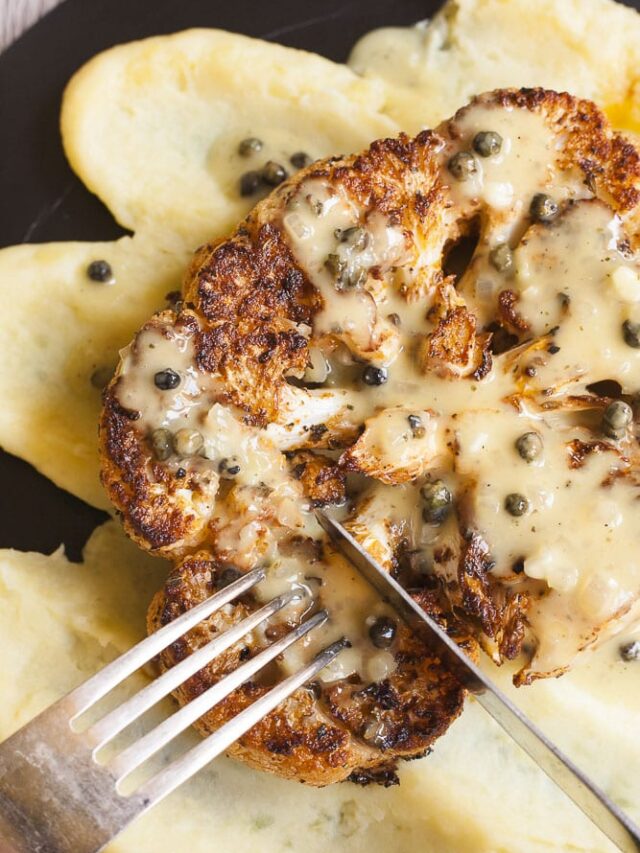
42, 200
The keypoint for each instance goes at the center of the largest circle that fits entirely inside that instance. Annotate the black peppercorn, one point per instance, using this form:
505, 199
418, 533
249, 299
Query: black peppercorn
228, 576
375, 375
250, 183
100, 271
166, 380
382, 633
300, 159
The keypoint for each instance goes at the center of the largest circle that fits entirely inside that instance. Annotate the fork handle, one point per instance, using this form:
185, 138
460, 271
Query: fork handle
11, 838
52, 796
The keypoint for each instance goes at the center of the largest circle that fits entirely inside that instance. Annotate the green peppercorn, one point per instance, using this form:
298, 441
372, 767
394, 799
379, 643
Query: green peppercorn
335, 265
300, 159
462, 166
501, 257
100, 271
543, 208
631, 334
438, 501
250, 183
487, 142
357, 238
383, 632
161, 443
355, 277
417, 427
616, 418
529, 446
188, 442
273, 173
250, 146
374, 375
516, 504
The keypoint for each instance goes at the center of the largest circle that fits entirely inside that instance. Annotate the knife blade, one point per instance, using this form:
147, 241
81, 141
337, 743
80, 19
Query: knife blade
595, 804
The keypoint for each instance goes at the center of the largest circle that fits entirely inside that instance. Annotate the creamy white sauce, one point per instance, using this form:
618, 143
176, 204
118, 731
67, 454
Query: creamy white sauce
572, 282
580, 535
317, 217
577, 262
152, 352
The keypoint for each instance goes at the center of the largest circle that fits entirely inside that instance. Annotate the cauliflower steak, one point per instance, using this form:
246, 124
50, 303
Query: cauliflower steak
439, 337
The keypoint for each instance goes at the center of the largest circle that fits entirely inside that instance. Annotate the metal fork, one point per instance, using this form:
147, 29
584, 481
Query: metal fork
55, 797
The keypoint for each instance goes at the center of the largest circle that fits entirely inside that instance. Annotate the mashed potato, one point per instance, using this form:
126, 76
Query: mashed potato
152, 128
61, 335
590, 48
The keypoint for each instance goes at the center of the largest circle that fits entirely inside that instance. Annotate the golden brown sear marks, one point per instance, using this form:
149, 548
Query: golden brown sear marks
454, 348
323, 733
322, 480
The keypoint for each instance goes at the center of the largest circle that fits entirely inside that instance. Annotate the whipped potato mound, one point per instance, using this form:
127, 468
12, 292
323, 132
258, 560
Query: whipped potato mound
590, 48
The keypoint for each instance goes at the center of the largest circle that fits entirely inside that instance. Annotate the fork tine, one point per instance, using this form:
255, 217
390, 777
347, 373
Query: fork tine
132, 757
114, 722
183, 768
83, 697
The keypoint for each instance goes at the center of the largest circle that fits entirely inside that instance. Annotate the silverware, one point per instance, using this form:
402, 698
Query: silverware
604, 813
54, 795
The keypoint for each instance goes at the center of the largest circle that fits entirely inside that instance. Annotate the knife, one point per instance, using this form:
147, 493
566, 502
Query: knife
597, 806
